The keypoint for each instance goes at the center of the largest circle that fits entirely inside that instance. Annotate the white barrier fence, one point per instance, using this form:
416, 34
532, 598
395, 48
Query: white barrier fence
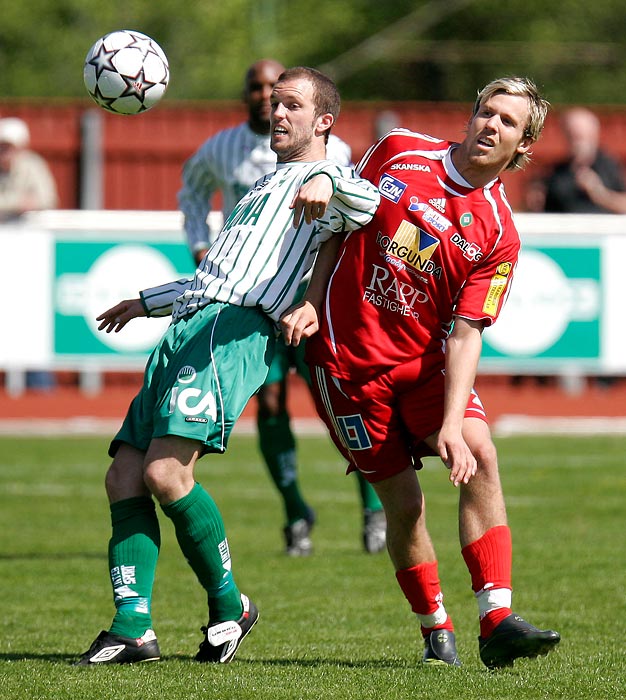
565, 315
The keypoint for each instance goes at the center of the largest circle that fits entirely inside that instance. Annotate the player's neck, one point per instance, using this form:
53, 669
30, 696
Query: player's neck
477, 174
314, 151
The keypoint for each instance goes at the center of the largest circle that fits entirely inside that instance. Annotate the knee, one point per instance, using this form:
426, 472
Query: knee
111, 481
156, 480
123, 481
487, 474
409, 509
486, 456
167, 484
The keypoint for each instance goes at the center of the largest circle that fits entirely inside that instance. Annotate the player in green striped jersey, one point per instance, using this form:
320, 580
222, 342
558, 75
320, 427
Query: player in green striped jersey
230, 162
210, 361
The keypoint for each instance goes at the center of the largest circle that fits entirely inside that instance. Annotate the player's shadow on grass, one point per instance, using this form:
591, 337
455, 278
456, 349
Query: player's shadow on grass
365, 664
343, 663
307, 663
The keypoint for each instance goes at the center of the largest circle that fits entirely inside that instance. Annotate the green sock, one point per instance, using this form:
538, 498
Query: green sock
369, 497
278, 448
202, 539
133, 553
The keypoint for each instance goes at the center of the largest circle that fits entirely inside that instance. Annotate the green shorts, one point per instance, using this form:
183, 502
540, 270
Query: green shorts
285, 358
200, 377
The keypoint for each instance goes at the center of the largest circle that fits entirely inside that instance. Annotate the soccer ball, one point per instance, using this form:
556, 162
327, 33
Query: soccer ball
126, 72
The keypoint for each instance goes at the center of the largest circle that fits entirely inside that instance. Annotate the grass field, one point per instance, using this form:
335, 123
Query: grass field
334, 625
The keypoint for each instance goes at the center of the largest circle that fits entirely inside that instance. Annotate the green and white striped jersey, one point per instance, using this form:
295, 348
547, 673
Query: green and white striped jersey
259, 258
230, 162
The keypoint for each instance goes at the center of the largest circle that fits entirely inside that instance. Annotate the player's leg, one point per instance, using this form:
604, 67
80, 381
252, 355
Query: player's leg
197, 382
368, 431
487, 550
201, 535
197, 520
133, 553
278, 447
414, 559
135, 537
219, 361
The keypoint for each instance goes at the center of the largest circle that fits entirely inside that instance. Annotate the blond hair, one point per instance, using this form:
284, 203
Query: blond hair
537, 109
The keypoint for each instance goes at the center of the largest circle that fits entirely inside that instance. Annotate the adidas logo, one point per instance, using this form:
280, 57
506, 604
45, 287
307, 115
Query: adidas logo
438, 203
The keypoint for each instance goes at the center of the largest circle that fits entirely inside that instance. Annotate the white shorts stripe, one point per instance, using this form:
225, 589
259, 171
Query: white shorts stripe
320, 375
218, 385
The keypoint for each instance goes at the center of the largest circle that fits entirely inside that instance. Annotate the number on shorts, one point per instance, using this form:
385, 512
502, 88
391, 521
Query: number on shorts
354, 432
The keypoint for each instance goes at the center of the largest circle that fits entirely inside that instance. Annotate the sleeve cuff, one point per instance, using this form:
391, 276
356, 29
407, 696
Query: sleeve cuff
143, 303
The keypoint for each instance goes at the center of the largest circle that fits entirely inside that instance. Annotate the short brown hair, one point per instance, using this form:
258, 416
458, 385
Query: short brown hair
326, 97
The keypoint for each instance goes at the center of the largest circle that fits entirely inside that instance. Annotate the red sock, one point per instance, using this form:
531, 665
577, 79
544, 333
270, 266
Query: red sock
492, 620
489, 560
421, 587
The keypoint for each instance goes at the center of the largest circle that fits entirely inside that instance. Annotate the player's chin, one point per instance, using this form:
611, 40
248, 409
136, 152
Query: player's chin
281, 148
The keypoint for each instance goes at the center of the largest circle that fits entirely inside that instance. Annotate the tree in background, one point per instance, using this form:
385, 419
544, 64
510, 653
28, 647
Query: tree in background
408, 49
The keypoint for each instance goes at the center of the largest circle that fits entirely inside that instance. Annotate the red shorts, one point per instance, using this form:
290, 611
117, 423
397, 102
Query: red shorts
380, 426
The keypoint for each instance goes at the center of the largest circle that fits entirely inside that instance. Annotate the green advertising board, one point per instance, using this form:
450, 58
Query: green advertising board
90, 276
554, 312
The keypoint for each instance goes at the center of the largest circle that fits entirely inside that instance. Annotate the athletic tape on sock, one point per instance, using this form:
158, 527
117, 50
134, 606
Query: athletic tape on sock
492, 599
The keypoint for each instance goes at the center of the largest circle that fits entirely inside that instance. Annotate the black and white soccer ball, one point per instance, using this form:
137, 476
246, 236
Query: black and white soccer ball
126, 72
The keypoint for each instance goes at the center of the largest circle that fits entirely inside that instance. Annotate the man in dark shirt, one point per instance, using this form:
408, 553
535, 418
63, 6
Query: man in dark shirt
589, 181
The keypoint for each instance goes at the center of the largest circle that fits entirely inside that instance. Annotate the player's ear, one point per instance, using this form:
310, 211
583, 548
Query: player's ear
525, 144
323, 123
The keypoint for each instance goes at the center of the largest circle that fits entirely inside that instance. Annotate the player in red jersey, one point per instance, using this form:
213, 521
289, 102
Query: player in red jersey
395, 359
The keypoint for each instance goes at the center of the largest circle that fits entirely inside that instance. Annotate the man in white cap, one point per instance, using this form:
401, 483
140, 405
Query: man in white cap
26, 183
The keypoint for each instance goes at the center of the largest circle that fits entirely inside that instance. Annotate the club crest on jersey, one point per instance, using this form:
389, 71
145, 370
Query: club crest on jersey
391, 188
186, 374
414, 246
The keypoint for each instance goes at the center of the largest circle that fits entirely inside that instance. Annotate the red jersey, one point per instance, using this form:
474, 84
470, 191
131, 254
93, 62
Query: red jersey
436, 248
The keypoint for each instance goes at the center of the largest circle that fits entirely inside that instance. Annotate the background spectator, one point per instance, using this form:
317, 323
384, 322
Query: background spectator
26, 182
588, 181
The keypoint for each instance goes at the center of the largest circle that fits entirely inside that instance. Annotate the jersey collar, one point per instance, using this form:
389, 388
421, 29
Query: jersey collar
455, 176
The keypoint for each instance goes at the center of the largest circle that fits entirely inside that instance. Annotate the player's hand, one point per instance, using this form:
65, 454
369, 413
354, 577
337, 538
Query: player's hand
115, 318
457, 456
312, 199
589, 181
298, 322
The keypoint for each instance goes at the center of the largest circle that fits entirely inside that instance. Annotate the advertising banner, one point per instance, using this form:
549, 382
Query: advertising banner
59, 272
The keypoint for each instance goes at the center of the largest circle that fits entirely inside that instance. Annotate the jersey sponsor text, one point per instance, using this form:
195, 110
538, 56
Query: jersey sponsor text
391, 188
386, 291
413, 246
